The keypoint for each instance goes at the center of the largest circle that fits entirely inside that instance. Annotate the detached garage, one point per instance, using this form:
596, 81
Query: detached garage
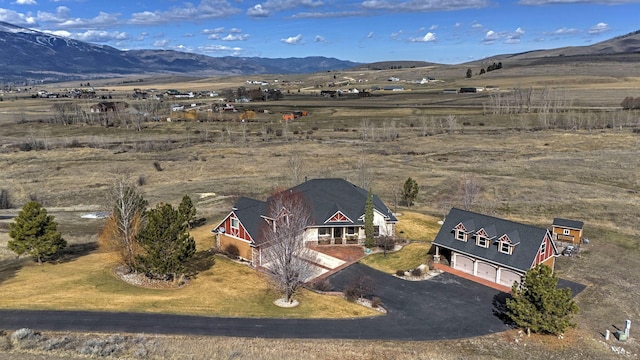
493, 249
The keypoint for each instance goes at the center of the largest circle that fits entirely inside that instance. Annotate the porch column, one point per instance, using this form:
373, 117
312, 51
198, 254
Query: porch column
436, 257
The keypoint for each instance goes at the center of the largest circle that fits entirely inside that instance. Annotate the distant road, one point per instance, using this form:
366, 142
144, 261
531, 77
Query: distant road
445, 307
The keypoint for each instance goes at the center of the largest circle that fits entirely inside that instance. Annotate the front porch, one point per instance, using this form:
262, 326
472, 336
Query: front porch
348, 235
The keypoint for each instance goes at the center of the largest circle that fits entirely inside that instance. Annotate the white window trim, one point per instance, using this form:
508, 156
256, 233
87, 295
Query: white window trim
502, 246
543, 248
566, 232
459, 237
237, 222
485, 241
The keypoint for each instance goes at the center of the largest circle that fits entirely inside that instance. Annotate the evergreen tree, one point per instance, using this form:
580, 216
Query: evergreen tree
34, 232
410, 191
187, 211
537, 304
165, 242
469, 73
369, 241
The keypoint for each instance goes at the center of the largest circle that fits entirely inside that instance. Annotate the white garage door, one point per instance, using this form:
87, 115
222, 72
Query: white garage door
464, 264
507, 277
487, 271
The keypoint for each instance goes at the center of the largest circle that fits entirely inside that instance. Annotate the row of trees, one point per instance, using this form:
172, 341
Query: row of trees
630, 103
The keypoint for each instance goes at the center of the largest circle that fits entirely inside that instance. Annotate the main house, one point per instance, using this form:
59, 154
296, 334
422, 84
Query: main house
336, 209
493, 249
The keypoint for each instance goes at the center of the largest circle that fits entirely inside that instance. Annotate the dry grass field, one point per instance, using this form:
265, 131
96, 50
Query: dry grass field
582, 164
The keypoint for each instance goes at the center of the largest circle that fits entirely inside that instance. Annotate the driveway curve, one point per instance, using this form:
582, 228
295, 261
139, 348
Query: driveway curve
444, 307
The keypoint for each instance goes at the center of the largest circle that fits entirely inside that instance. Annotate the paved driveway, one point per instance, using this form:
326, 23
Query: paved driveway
445, 307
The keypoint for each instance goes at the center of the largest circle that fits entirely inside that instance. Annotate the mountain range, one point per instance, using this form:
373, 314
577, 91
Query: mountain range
28, 55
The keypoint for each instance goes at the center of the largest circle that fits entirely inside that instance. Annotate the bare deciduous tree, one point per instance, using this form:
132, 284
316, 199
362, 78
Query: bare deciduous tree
287, 256
470, 187
365, 176
295, 165
126, 219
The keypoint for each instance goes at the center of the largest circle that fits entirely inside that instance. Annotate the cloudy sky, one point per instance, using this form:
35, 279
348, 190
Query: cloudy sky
442, 31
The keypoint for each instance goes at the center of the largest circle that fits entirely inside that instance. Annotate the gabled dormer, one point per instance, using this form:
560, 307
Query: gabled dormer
508, 242
484, 236
462, 230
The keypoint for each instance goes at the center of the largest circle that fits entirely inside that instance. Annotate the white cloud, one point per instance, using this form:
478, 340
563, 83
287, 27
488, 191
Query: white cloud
269, 6
220, 49
423, 6
566, 31
429, 37
370, 35
100, 36
161, 43
235, 37
102, 20
206, 9
293, 40
26, 2
319, 38
213, 31
17, 18
257, 11
555, 2
598, 28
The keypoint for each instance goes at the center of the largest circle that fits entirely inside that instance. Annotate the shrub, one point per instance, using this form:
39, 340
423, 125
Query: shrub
323, 285
232, 252
279, 132
360, 287
142, 180
416, 272
376, 302
156, 165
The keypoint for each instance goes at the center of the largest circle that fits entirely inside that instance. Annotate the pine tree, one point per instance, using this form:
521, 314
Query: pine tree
537, 304
35, 233
410, 191
369, 241
469, 73
187, 211
165, 242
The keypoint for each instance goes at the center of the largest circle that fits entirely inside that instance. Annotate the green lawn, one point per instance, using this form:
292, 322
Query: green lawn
408, 258
414, 226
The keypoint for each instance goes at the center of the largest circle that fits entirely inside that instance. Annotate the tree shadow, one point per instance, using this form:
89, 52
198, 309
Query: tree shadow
10, 267
74, 251
500, 307
202, 260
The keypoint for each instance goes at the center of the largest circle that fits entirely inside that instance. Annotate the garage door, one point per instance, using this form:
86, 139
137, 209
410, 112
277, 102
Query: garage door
487, 271
507, 277
464, 264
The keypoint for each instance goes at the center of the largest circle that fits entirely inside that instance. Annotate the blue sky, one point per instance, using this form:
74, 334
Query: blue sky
441, 31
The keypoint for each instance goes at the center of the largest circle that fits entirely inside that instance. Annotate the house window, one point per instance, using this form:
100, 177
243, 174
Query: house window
543, 248
482, 241
235, 224
461, 235
566, 232
351, 230
324, 231
505, 247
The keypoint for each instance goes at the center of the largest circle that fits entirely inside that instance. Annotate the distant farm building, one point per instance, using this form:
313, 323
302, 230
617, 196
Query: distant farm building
108, 106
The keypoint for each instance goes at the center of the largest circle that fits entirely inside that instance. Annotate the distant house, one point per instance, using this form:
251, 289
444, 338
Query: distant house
108, 106
393, 88
567, 230
496, 250
337, 218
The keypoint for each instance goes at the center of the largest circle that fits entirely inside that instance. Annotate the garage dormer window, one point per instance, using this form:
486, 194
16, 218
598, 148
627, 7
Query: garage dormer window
461, 235
505, 247
482, 241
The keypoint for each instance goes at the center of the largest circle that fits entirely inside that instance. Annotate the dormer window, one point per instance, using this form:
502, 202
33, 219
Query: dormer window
235, 224
461, 235
482, 241
505, 247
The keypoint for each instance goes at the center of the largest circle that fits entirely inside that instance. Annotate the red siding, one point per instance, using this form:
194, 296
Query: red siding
240, 232
540, 257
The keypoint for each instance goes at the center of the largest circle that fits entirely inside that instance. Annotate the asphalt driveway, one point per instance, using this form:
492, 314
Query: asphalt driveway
445, 307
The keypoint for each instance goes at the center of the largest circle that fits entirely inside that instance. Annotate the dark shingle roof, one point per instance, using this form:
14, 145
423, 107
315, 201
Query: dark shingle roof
573, 224
523, 256
249, 213
326, 196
